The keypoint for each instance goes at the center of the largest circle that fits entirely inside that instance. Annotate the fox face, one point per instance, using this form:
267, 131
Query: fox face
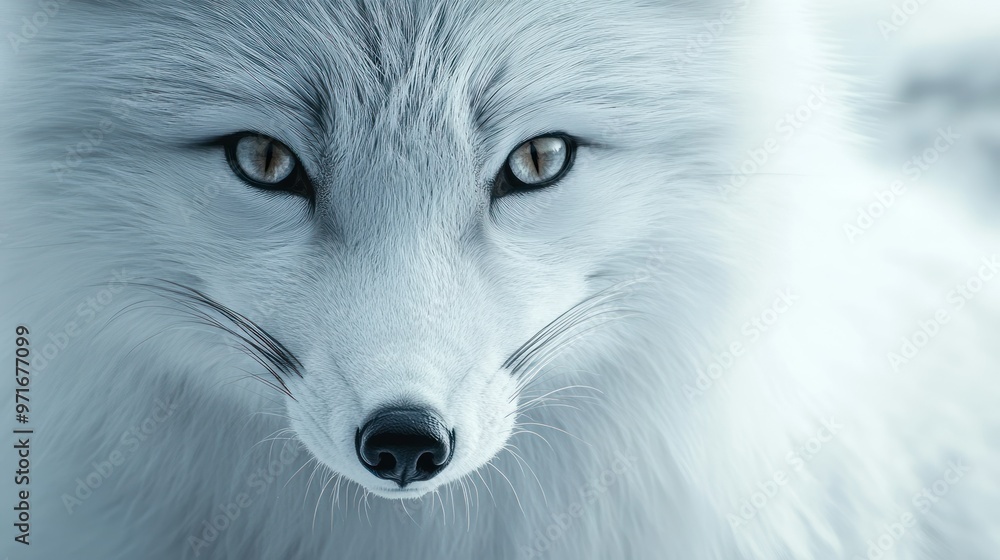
402, 222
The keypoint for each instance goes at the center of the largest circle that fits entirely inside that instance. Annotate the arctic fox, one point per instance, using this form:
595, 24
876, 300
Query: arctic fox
476, 279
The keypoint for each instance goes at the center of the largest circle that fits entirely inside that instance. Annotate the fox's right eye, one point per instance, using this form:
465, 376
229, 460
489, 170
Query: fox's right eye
536, 163
264, 163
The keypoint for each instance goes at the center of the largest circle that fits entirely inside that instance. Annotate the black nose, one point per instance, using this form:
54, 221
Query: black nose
404, 445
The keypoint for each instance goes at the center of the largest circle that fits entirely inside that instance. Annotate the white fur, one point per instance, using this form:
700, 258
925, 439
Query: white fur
407, 284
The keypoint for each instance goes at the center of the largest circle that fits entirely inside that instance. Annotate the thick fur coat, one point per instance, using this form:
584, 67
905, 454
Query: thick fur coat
757, 348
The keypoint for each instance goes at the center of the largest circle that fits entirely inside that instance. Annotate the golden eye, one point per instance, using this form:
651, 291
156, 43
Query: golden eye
264, 159
265, 163
537, 163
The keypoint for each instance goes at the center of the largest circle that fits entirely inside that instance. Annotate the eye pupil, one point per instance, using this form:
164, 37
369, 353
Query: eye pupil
265, 163
269, 156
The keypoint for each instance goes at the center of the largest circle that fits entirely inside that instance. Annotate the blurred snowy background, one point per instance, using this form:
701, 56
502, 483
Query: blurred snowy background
922, 65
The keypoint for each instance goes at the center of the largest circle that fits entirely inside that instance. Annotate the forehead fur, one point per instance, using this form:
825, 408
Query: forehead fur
383, 101
339, 70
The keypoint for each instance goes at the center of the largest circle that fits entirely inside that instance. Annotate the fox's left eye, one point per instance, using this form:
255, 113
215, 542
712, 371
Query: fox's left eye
537, 163
265, 163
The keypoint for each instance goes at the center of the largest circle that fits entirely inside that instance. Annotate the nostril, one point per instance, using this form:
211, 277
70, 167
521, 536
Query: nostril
385, 461
404, 445
426, 463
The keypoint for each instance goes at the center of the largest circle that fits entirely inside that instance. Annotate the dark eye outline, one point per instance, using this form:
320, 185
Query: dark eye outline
297, 182
506, 181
